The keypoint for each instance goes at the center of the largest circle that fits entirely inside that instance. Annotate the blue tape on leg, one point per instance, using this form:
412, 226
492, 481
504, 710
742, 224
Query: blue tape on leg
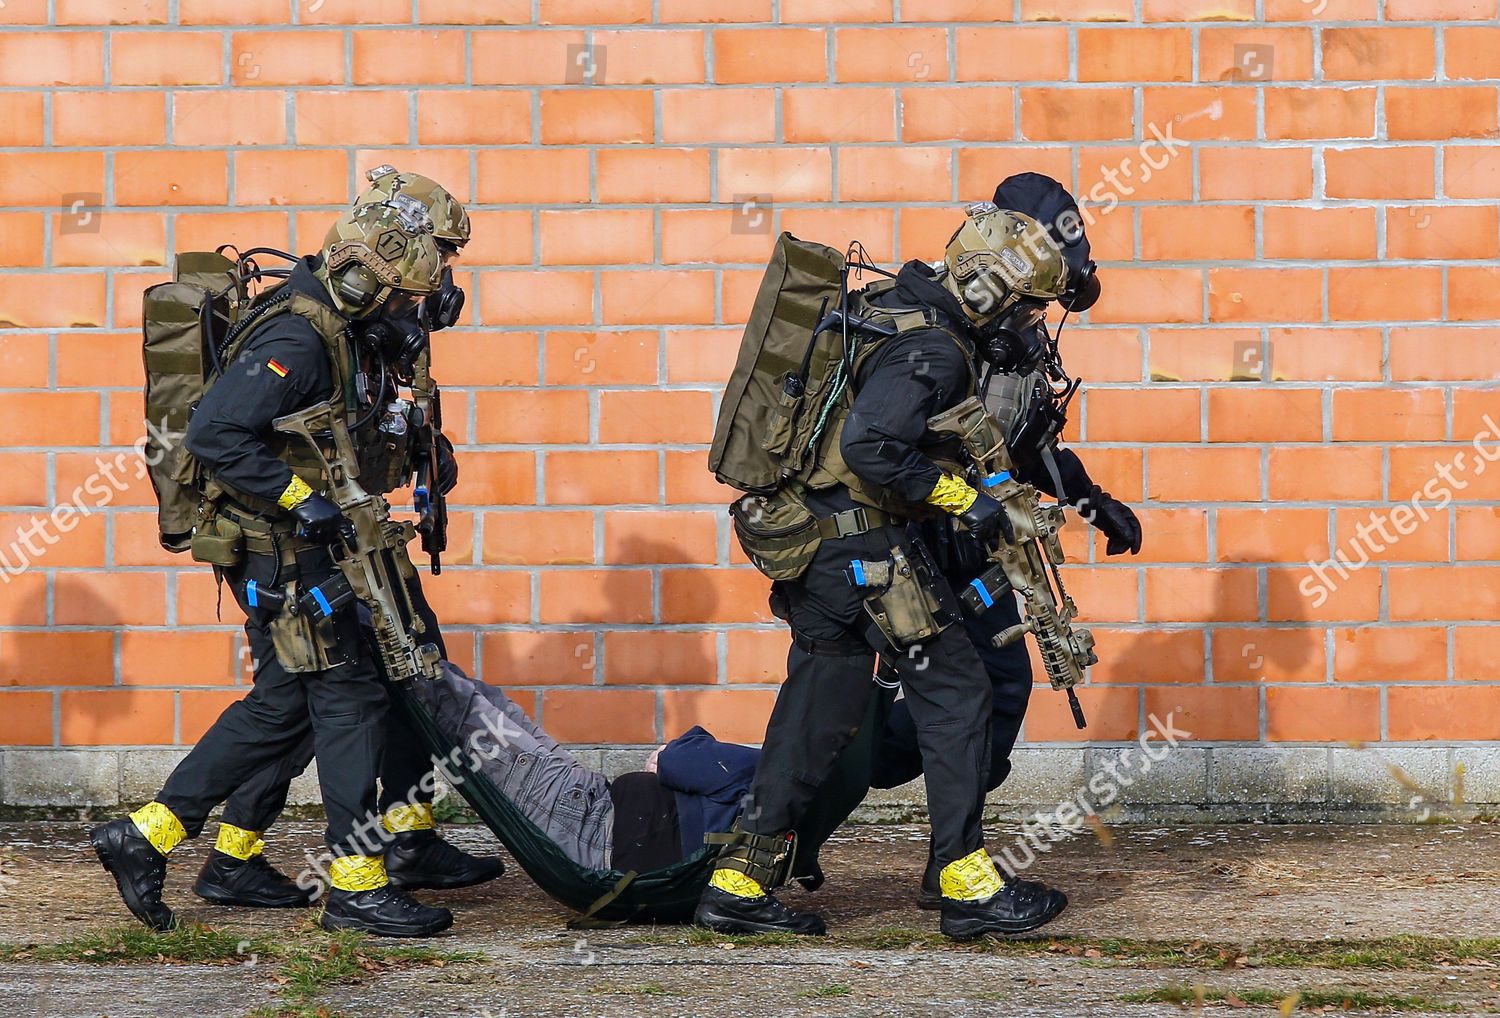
323, 605
252, 594
984, 595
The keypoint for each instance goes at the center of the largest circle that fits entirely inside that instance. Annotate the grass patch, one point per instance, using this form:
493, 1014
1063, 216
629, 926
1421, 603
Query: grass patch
830, 990
1335, 997
189, 944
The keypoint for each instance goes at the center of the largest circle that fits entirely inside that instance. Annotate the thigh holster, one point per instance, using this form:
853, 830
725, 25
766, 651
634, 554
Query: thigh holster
765, 858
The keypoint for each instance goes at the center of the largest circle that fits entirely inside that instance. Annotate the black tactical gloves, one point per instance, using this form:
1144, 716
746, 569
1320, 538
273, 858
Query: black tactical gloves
447, 465
319, 519
1113, 518
985, 518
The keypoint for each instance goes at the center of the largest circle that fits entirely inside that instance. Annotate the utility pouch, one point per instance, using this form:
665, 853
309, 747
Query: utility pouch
219, 542
304, 642
905, 609
778, 532
984, 590
784, 413
320, 602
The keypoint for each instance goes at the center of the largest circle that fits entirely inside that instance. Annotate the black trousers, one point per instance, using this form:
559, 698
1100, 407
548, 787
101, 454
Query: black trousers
823, 701
899, 756
404, 765
342, 707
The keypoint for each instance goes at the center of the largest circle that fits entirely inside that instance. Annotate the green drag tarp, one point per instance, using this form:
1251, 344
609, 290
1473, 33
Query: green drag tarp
660, 896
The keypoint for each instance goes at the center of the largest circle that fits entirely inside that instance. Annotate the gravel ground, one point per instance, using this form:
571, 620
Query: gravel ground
1218, 885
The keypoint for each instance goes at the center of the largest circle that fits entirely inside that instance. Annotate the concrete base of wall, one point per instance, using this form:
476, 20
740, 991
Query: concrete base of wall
1218, 784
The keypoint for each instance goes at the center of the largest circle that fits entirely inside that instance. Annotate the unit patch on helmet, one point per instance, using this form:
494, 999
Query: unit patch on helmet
1015, 267
391, 245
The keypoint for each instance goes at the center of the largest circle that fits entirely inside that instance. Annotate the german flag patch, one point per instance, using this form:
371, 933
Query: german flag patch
276, 366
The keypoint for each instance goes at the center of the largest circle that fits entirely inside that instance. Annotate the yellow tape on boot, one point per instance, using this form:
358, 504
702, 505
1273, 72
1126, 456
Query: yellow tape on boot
414, 817
238, 842
736, 883
357, 872
972, 878
159, 826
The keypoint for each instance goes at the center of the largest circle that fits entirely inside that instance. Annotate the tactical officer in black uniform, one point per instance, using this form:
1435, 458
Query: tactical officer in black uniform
990, 289
236, 872
320, 336
1026, 406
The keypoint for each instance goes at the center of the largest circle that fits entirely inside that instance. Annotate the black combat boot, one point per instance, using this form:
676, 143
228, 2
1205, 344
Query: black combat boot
420, 860
1018, 907
251, 883
723, 912
138, 868
383, 912
931, 895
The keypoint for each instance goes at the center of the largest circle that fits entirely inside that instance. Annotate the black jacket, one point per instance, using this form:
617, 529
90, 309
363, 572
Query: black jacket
910, 378
281, 369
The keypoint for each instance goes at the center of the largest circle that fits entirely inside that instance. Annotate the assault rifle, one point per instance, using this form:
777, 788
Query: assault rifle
1028, 563
427, 494
371, 550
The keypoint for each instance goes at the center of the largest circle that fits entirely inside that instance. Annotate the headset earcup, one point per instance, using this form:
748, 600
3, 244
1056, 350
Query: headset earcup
358, 286
1085, 297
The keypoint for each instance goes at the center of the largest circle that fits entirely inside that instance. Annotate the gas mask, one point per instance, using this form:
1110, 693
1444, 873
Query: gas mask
443, 309
397, 335
1012, 341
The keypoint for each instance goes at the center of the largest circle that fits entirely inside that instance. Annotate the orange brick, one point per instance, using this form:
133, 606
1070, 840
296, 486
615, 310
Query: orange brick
51, 58
701, 355
755, 56
1378, 53
689, 482
1447, 713
350, 118
1442, 232
1205, 355
1206, 233
1203, 474
1440, 473
1318, 113
1425, 593
520, 417
1104, 593
1135, 54
1151, 295
910, 173
651, 658
409, 58
108, 118
1269, 655
733, 715
150, 658
1477, 534
663, 56
171, 178
50, 418
1385, 293
121, 239
1475, 653
481, 597
607, 716
714, 595
783, 174
1471, 52
602, 358
1113, 713
733, 115
589, 12
495, 478
711, 236
1265, 415
200, 708
23, 359
757, 656
1274, 173
1198, 10
839, 114
244, 230
890, 54
1173, 535
112, 12
110, 599
965, 113
300, 57
375, 12
1109, 174
1052, 10
654, 176
1320, 592
310, 177
537, 298
589, 116
613, 477
166, 58
1429, 10
232, 12
1032, 53
1376, 415
1150, 656
1255, 53
23, 476
655, 417
657, 296
1058, 114
1301, 474
1210, 714
1265, 295
1440, 113
981, 168
124, 717
596, 237
1158, 415
228, 118
595, 595
1201, 595
531, 658
41, 178
470, 118
800, 11
538, 538
1471, 293
1322, 714
57, 658
657, 537
1318, 234
1199, 113
22, 118
1324, 354
500, 237
1271, 535
1404, 172
26, 718
1382, 654
529, 58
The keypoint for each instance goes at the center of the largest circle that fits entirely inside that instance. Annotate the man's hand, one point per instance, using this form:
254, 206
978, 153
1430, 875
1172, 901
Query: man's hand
985, 518
447, 465
1114, 519
319, 520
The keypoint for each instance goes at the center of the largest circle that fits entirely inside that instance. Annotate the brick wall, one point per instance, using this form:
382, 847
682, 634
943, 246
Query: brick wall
1293, 205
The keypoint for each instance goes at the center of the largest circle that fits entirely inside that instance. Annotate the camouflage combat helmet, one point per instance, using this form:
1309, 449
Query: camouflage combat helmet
373, 252
998, 257
449, 220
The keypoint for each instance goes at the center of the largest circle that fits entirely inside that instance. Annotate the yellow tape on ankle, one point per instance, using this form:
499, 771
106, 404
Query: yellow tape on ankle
160, 826
414, 817
736, 883
357, 872
972, 878
238, 842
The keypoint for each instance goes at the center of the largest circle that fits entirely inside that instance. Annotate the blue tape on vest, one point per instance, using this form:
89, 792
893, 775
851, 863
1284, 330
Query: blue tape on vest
323, 605
859, 572
252, 594
994, 479
984, 595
